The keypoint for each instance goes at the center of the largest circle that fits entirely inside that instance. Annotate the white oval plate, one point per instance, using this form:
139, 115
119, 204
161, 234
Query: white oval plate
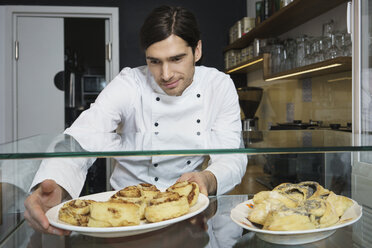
52, 215
240, 212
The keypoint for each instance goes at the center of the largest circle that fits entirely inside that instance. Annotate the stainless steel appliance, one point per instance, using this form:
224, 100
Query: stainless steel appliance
91, 86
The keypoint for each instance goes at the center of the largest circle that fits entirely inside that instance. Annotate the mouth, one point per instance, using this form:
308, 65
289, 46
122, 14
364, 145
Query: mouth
171, 85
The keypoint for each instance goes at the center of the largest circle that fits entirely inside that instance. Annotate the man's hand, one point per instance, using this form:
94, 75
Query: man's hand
205, 179
46, 196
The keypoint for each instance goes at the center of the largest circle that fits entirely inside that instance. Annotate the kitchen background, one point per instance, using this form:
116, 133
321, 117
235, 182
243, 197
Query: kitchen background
214, 22
326, 99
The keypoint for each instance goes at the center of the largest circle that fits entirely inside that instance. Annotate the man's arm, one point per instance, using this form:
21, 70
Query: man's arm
47, 195
228, 169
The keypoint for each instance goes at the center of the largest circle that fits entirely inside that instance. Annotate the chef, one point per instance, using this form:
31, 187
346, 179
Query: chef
168, 95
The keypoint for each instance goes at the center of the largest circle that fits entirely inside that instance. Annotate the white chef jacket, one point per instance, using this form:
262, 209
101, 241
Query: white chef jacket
134, 102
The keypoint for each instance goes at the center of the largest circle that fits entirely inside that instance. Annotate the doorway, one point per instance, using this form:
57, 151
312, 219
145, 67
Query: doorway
84, 78
84, 54
9, 47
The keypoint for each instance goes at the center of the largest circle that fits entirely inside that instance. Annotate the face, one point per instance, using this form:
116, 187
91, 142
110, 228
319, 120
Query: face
172, 63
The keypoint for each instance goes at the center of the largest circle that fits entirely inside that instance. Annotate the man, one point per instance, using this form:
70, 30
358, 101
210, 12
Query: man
170, 94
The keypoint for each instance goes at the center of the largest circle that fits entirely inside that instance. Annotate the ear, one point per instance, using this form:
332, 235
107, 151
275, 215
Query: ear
198, 51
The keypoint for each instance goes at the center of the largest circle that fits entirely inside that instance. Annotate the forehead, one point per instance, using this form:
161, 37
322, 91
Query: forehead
171, 46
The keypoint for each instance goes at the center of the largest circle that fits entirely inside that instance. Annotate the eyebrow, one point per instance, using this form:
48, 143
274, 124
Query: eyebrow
172, 57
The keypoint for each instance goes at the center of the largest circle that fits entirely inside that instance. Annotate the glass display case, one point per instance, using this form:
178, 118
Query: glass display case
320, 155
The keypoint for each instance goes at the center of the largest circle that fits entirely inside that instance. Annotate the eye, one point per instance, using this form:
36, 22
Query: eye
176, 59
154, 61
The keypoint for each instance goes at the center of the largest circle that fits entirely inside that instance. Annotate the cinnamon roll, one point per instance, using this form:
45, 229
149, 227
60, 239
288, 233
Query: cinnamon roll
188, 189
148, 191
131, 194
165, 206
114, 214
75, 212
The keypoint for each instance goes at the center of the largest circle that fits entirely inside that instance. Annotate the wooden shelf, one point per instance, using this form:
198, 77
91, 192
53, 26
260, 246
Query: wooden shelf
287, 18
339, 64
247, 66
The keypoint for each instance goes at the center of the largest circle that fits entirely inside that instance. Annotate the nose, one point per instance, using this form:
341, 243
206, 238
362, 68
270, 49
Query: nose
166, 72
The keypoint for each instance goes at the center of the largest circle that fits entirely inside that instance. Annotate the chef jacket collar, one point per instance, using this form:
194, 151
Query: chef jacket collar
157, 89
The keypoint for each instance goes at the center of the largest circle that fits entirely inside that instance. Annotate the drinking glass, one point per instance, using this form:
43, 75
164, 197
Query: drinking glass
343, 43
300, 51
308, 58
290, 48
348, 45
317, 50
276, 58
333, 50
328, 28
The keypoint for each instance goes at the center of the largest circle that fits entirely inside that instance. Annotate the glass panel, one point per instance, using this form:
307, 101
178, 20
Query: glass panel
366, 73
15, 179
152, 144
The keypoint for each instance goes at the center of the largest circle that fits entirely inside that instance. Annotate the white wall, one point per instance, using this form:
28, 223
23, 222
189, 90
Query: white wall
251, 8
314, 27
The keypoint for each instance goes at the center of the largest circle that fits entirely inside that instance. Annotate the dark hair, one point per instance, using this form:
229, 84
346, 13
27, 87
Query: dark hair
164, 21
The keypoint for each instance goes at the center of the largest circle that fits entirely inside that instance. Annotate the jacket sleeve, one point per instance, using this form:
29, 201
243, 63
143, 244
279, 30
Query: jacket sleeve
105, 115
228, 168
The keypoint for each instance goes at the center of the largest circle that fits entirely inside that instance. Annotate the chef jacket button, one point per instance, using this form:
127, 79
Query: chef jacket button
198, 133
156, 179
188, 162
155, 165
198, 120
158, 99
156, 133
198, 95
156, 124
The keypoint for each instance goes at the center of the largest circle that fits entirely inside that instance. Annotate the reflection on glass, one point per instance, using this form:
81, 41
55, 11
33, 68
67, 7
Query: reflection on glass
366, 75
150, 144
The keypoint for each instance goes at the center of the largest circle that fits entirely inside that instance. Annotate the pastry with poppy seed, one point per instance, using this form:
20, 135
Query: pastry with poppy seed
288, 219
302, 206
267, 201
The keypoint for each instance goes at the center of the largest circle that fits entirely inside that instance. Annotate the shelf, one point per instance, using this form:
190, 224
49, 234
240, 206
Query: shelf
121, 145
339, 64
250, 65
287, 18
